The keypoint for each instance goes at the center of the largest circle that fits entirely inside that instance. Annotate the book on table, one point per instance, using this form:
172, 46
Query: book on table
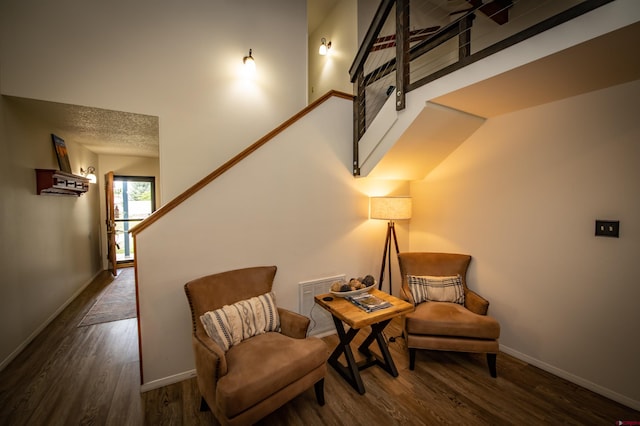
369, 302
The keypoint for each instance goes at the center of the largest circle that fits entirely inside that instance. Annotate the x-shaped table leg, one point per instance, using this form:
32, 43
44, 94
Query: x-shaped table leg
351, 372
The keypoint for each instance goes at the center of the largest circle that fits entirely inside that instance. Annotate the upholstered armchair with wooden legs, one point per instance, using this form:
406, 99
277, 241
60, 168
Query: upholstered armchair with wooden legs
243, 381
461, 324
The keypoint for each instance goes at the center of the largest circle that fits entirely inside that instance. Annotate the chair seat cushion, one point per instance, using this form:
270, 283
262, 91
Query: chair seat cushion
264, 364
450, 319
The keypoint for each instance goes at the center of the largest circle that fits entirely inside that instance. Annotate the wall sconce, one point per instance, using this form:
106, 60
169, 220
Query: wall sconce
249, 64
324, 47
90, 174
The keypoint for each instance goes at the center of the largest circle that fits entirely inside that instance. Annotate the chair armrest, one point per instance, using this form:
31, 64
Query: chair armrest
293, 324
405, 294
476, 303
210, 358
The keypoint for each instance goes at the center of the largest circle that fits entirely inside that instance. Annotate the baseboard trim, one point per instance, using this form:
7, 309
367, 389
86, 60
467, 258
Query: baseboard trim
601, 390
166, 381
42, 326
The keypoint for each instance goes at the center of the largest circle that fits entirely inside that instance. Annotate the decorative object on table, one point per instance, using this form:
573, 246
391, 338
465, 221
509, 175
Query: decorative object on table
368, 302
61, 153
355, 286
390, 209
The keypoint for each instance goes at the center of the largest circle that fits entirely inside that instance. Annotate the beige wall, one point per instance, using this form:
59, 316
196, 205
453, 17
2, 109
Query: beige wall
49, 244
521, 196
293, 203
331, 72
345, 26
175, 60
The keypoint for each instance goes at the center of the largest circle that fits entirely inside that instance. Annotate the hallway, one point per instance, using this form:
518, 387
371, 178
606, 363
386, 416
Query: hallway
71, 375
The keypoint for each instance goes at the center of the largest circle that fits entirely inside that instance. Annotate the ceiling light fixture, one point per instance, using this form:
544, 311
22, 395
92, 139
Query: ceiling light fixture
324, 47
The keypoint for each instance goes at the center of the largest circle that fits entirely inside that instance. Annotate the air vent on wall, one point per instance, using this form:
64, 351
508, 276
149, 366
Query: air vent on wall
321, 322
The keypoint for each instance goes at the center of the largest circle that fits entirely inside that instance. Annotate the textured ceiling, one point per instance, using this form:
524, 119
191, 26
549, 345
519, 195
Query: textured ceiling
99, 130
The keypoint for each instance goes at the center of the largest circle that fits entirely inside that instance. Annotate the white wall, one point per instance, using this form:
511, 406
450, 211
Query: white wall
175, 60
293, 204
521, 196
49, 245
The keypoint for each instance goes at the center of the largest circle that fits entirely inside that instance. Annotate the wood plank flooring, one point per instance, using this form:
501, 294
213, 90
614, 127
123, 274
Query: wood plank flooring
89, 375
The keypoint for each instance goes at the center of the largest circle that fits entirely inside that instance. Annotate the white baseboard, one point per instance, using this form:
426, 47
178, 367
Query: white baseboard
166, 381
622, 399
42, 326
608, 393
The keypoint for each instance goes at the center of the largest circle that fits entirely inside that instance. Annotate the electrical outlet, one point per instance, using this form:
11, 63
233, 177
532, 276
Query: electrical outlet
608, 228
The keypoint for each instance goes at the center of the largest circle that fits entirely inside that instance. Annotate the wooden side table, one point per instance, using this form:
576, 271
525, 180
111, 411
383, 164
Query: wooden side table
345, 312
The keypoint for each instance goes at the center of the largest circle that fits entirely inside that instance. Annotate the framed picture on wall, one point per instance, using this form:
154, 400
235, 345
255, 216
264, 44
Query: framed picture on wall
61, 153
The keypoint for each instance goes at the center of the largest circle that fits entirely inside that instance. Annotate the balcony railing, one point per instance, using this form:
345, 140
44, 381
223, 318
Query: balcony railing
413, 42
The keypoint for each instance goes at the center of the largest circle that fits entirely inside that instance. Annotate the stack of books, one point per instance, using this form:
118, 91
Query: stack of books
369, 303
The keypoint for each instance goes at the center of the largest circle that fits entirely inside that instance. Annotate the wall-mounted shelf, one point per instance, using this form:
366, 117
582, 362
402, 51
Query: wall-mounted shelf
56, 182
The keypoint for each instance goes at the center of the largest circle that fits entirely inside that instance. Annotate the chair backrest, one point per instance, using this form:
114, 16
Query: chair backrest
437, 264
225, 288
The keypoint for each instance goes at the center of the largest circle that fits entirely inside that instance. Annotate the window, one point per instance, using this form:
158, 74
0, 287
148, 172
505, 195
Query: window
134, 200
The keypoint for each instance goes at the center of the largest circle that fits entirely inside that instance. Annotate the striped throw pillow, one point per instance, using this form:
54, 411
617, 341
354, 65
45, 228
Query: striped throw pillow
232, 324
436, 289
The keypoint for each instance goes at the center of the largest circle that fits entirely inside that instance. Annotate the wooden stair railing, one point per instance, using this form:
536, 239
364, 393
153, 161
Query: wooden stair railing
232, 162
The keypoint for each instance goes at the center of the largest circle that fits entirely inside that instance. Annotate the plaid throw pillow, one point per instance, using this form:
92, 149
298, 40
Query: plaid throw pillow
436, 289
232, 324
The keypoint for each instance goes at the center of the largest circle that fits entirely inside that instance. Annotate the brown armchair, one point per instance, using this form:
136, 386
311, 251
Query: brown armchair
447, 326
260, 374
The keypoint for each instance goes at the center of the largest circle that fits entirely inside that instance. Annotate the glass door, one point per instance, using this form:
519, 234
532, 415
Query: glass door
134, 200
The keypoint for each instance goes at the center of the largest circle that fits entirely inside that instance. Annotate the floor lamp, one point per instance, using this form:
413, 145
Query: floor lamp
390, 209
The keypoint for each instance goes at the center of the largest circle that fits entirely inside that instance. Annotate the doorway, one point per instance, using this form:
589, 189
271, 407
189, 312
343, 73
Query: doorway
133, 200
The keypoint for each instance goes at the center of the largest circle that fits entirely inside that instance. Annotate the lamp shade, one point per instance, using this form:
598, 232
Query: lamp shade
390, 208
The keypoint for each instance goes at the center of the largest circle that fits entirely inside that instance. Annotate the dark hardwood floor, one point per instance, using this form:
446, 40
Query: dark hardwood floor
89, 375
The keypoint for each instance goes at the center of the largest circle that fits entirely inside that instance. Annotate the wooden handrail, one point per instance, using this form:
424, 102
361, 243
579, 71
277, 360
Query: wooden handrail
235, 160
